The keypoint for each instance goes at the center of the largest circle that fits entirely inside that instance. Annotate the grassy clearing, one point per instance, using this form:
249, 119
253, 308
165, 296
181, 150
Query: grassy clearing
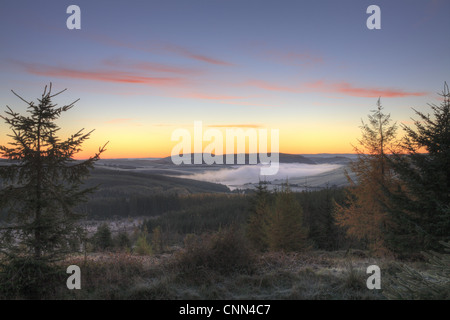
313, 275
221, 265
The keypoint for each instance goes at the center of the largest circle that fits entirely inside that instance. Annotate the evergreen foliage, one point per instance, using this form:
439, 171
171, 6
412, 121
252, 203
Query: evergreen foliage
41, 185
103, 238
431, 284
201, 213
285, 230
123, 241
260, 206
420, 205
143, 246
157, 241
319, 218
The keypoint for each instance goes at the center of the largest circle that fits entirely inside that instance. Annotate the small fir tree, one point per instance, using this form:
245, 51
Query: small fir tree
41, 186
286, 231
123, 240
157, 241
142, 246
103, 238
260, 207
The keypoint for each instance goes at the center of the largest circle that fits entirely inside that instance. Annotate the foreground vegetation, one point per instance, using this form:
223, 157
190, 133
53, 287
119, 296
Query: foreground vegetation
220, 265
223, 265
314, 275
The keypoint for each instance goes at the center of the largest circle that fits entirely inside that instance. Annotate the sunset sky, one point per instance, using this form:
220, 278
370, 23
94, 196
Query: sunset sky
142, 69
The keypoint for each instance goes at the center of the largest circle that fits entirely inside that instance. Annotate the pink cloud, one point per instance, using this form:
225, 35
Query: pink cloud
290, 56
151, 67
340, 87
157, 47
99, 75
196, 56
208, 59
348, 89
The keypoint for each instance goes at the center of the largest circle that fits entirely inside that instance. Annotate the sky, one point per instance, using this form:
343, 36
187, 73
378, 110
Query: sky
142, 69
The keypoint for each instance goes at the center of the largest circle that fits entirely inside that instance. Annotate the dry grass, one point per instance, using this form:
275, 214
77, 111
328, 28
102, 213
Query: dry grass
213, 267
312, 275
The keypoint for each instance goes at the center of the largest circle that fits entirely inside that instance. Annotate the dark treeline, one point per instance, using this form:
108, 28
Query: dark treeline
318, 212
205, 212
124, 206
202, 213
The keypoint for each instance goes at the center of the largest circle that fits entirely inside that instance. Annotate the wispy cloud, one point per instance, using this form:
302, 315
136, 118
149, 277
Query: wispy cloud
290, 56
348, 89
150, 67
343, 87
196, 56
101, 75
160, 47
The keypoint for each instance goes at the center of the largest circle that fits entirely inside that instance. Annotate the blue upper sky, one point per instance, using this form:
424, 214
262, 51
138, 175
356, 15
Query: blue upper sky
142, 68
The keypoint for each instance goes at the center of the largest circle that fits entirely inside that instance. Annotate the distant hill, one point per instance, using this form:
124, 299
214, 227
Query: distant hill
320, 159
143, 183
283, 158
333, 178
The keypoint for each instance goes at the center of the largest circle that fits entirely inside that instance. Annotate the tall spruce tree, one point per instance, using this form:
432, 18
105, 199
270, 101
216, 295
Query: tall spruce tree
363, 216
257, 224
420, 205
42, 184
286, 231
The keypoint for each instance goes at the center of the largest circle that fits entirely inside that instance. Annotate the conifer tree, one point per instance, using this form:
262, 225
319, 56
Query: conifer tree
123, 240
157, 240
286, 231
430, 284
420, 205
364, 216
103, 237
258, 219
41, 184
142, 245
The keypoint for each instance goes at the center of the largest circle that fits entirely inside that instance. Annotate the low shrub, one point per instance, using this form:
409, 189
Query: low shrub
224, 252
